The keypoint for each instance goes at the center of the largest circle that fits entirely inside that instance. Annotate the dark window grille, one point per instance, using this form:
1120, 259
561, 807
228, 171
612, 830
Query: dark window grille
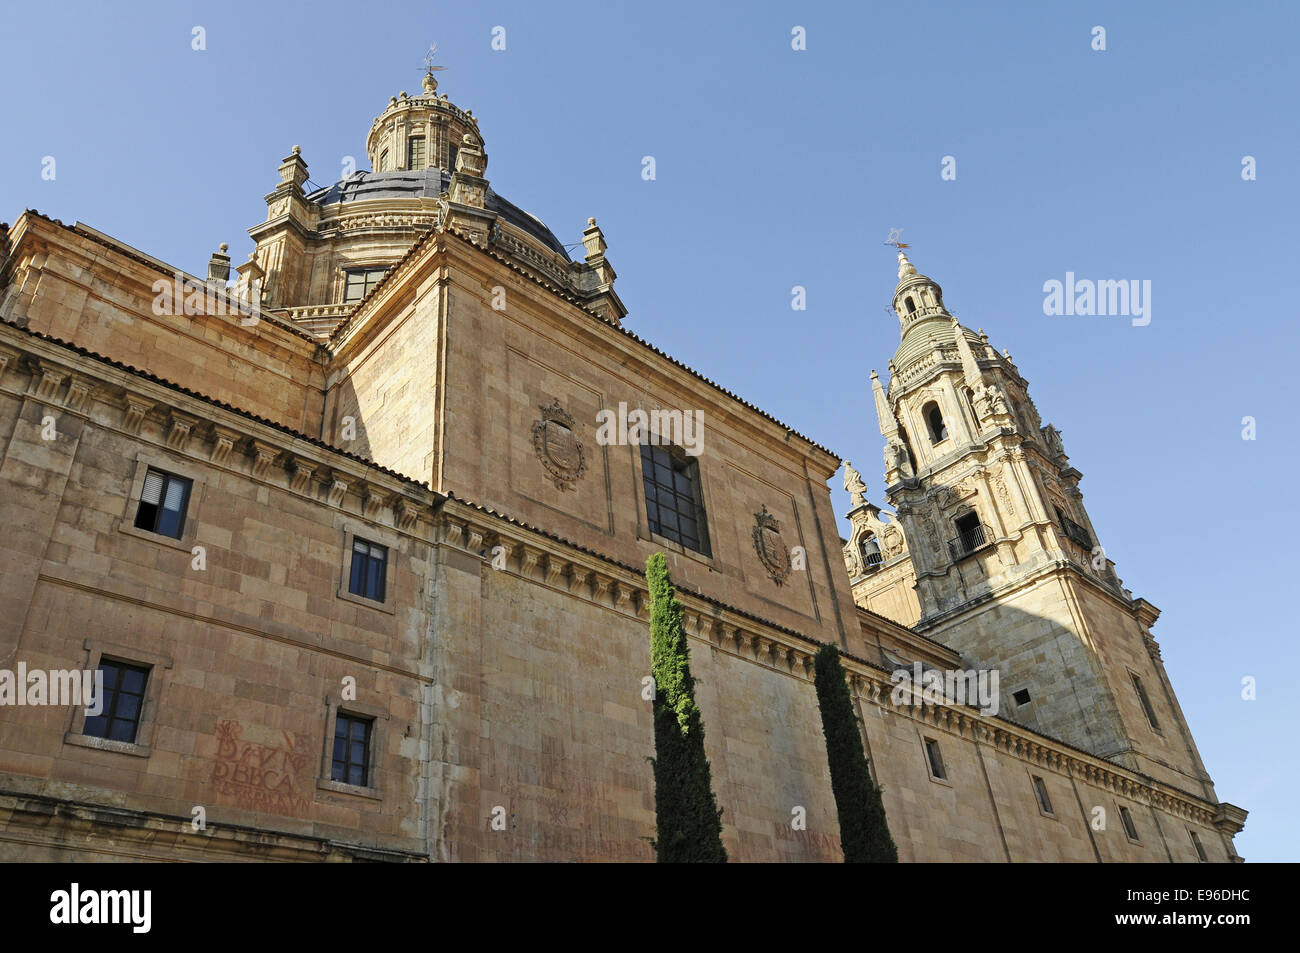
369, 570
1130, 828
351, 762
1040, 792
935, 758
972, 535
1074, 531
359, 282
123, 703
163, 501
1146, 702
673, 499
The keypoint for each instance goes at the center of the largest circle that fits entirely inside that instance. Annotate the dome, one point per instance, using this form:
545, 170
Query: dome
427, 184
916, 339
918, 302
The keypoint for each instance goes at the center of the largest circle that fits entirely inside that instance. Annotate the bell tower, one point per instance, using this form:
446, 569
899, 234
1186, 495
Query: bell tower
1009, 571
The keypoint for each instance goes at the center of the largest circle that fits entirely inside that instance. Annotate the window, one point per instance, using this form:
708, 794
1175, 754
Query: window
162, 503
1146, 702
415, 152
359, 282
351, 761
673, 499
871, 556
1074, 531
970, 535
369, 569
1022, 696
451, 158
934, 420
383, 161
1200, 849
910, 304
935, 759
123, 701
1040, 792
1130, 829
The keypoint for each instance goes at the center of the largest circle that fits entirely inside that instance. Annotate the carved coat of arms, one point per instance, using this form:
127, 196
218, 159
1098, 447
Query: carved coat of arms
558, 447
772, 550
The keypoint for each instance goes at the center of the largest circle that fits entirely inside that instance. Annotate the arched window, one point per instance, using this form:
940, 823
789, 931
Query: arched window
910, 304
870, 549
934, 420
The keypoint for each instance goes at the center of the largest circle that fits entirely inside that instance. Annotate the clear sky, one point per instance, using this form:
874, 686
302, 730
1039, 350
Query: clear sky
776, 168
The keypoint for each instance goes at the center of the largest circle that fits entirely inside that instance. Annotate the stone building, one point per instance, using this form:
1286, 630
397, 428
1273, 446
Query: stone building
357, 539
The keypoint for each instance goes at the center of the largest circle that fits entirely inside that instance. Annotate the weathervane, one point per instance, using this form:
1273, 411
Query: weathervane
430, 84
428, 59
894, 235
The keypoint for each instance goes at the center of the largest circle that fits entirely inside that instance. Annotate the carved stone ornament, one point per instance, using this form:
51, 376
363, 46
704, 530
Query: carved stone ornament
772, 550
558, 446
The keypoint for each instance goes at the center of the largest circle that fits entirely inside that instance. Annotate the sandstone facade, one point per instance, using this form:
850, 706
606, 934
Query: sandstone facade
426, 372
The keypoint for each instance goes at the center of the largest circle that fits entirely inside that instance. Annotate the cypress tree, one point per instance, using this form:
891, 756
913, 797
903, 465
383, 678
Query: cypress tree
687, 818
864, 832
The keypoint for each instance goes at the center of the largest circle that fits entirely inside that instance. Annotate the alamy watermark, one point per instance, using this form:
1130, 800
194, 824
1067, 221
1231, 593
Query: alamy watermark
682, 428
75, 687
183, 295
975, 687
1131, 298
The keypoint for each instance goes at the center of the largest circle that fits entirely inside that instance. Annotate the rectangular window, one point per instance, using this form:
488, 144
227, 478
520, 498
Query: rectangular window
1130, 828
351, 762
1200, 850
415, 152
1146, 702
673, 499
162, 503
359, 282
369, 569
123, 701
933, 755
383, 161
1040, 792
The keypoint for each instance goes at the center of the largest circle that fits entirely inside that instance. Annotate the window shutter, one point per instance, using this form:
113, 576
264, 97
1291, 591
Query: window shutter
175, 494
153, 484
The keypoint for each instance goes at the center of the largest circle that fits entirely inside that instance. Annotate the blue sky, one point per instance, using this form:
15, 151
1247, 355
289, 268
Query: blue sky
777, 168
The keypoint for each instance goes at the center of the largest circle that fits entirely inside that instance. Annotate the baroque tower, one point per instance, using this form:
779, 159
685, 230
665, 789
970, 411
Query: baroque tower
1004, 561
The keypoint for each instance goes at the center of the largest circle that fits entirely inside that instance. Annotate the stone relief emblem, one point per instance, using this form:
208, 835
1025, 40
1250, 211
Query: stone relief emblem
558, 447
891, 542
772, 550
